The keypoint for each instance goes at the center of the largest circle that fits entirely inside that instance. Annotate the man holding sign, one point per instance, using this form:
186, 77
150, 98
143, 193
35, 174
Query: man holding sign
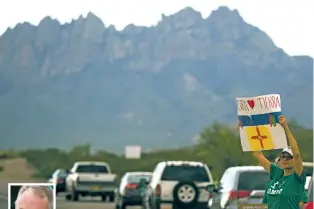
303, 198
287, 183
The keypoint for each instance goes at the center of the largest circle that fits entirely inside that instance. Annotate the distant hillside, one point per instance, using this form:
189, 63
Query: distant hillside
155, 86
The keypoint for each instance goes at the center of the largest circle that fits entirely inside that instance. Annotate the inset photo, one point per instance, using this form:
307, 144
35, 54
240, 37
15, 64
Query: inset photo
31, 195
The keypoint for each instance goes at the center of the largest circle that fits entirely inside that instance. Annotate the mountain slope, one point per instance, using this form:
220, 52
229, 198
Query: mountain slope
155, 86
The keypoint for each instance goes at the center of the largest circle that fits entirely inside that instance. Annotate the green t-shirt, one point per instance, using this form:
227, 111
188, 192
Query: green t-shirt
303, 196
284, 192
264, 201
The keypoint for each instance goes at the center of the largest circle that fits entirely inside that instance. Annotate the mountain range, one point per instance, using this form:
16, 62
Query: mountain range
158, 86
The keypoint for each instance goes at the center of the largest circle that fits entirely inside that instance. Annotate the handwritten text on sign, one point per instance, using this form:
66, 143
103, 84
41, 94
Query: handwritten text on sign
259, 105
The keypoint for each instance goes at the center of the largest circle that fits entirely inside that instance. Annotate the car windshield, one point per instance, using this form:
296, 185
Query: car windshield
185, 173
253, 180
137, 178
92, 169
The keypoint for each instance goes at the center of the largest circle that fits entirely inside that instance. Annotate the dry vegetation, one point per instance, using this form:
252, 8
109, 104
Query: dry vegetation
16, 170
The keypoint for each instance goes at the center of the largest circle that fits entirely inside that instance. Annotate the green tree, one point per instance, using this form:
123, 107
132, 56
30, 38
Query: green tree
220, 146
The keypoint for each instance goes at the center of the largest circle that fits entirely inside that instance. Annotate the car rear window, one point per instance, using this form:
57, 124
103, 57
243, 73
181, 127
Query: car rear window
137, 178
92, 169
253, 180
62, 173
185, 173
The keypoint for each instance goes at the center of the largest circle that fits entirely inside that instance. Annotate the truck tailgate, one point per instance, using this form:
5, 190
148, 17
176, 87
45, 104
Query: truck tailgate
97, 177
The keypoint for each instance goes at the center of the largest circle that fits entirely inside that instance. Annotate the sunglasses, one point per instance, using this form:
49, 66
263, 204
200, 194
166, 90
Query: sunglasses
286, 157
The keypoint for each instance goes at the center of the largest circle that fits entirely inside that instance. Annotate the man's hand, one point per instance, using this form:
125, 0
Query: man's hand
283, 121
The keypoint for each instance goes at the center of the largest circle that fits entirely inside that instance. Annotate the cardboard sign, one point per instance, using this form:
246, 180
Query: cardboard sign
258, 123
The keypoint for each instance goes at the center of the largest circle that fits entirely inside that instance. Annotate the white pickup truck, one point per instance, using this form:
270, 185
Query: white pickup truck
90, 179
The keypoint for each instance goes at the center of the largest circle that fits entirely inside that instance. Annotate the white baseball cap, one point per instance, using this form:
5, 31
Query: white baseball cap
287, 150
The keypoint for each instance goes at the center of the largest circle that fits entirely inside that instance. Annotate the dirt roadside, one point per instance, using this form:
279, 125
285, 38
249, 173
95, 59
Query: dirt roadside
15, 171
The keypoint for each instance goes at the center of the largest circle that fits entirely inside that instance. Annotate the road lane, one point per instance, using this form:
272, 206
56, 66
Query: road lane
3, 188
3, 201
3, 204
85, 203
3, 195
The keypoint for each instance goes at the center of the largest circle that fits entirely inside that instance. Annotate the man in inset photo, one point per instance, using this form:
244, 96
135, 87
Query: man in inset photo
34, 197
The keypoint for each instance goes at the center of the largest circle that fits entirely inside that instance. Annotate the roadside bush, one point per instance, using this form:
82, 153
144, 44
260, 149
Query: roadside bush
1, 168
9, 154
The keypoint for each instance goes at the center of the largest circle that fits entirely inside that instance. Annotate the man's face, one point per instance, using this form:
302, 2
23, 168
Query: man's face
287, 161
29, 200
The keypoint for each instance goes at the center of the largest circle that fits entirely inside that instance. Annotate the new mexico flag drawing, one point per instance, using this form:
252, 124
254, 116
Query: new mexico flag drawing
259, 138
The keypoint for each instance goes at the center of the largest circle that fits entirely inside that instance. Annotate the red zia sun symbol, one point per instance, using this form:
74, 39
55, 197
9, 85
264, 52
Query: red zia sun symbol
259, 137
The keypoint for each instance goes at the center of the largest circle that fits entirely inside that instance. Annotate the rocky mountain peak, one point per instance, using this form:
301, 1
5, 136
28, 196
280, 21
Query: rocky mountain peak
73, 81
47, 21
184, 18
225, 13
94, 20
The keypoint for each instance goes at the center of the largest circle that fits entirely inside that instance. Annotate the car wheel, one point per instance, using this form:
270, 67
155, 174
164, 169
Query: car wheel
67, 196
74, 195
185, 195
144, 205
103, 198
149, 203
111, 198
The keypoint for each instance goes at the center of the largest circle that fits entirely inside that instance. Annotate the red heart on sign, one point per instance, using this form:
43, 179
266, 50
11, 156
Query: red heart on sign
251, 103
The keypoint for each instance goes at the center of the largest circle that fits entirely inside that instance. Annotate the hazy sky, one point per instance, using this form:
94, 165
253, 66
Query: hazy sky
290, 23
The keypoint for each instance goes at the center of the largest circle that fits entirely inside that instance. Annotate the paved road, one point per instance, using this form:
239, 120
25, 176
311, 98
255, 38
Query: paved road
3, 201
3, 195
85, 203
